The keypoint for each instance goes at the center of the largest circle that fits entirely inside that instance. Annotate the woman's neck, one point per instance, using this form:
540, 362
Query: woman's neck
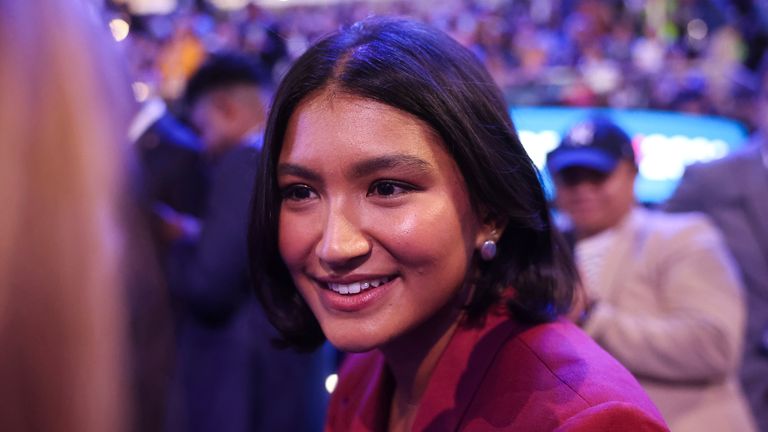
412, 359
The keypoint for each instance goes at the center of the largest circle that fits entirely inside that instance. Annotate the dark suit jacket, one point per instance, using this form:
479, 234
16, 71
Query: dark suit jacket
230, 376
733, 192
503, 376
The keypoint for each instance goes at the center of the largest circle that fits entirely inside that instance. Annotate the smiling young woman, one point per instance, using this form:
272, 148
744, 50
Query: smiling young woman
398, 216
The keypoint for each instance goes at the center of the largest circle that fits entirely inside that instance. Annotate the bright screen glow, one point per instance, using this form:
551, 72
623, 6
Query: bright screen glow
665, 142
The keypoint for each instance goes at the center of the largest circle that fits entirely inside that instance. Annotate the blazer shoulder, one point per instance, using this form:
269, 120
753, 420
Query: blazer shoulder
545, 375
562, 359
613, 416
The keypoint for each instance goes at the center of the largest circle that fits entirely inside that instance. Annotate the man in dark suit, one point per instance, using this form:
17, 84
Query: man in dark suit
733, 191
171, 159
231, 377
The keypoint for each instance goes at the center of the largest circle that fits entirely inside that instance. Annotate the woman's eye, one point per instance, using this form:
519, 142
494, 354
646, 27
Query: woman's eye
389, 188
298, 193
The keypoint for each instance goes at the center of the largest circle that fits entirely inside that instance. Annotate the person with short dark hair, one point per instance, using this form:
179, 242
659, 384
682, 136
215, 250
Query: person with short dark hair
230, 377
661, 291
398, 215
226, 100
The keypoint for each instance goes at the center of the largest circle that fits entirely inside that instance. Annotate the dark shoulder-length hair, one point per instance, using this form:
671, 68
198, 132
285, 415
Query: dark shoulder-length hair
422, 71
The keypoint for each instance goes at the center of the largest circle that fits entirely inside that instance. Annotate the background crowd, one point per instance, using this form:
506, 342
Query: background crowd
691, 56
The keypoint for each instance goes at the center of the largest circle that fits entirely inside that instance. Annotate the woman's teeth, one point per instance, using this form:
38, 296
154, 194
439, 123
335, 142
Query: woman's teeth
357, 287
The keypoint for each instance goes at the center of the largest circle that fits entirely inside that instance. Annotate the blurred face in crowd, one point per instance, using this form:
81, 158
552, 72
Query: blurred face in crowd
594, 200
376, 226
224, 117
210, 117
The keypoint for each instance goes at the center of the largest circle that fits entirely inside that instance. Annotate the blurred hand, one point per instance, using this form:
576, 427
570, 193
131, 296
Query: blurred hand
579, 304
581, 307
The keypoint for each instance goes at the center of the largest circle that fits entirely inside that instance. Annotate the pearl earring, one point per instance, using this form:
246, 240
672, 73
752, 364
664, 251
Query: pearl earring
488, 250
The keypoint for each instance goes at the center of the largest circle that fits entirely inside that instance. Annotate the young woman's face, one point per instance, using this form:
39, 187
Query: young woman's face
376, 225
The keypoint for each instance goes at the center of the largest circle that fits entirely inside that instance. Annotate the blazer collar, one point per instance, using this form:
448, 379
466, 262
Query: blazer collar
376, 398
460, 372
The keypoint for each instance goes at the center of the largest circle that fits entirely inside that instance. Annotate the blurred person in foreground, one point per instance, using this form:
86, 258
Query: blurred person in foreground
398, 215
661, 292
230, 377
63, 117
733, 191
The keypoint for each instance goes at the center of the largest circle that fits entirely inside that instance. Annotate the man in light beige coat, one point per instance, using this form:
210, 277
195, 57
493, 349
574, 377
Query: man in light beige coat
661, 292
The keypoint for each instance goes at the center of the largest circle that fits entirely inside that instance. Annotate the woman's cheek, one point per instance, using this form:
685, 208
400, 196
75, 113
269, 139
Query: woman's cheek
295, 234
422, 234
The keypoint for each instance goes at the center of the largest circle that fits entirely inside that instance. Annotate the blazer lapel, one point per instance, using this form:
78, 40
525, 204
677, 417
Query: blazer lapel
375, 399
460, 372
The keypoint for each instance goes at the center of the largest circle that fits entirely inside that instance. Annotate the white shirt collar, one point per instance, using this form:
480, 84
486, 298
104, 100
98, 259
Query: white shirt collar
149, 113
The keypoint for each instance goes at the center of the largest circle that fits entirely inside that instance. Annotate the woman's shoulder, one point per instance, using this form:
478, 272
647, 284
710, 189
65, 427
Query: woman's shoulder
503, 375
555, 373
562, 352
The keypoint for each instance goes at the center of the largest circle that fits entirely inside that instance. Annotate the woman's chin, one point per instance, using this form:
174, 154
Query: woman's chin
351, 346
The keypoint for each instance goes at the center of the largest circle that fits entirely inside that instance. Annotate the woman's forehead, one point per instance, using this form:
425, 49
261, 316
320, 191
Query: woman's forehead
342, 121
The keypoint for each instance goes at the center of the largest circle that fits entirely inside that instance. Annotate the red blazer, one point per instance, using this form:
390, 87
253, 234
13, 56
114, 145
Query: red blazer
503, 376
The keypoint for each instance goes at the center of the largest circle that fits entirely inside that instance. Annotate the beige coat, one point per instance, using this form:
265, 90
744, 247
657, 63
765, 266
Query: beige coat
673, 313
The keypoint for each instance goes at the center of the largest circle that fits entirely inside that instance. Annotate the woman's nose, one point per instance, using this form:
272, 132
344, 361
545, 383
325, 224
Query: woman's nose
343, 244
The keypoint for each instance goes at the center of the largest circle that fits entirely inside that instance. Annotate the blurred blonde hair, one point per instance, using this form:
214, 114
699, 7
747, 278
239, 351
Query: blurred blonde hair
62, 121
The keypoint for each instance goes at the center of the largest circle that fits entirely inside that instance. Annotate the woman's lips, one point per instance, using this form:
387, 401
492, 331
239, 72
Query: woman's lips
368, 291
357, 287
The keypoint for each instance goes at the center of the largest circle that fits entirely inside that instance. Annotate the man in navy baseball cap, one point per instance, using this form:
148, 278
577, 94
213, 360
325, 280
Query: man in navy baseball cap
650, 282
594, 172
595, 143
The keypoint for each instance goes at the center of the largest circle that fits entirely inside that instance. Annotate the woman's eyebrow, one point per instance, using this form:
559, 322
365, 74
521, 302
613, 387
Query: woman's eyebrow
361, 168
285, 168
401, 161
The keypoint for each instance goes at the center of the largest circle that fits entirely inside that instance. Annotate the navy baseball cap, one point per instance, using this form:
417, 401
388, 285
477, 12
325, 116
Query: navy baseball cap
595, 143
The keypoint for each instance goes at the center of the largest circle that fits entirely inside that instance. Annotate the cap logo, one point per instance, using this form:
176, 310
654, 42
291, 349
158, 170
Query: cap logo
582, 134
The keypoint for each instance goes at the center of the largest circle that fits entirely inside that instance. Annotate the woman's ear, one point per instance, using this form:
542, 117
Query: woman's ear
491, 228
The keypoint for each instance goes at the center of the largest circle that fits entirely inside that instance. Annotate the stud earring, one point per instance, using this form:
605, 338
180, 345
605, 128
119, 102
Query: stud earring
488, 250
